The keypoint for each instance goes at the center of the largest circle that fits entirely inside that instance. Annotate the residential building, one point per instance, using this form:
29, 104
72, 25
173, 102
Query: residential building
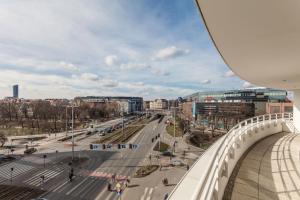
128, 105
159, 104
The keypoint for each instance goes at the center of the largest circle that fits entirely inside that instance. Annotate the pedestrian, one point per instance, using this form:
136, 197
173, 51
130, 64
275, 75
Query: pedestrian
166, 196
113, 177
109, 187
187, 167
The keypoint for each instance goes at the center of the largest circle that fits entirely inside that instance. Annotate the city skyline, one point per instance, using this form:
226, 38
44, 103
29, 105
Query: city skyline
55, 49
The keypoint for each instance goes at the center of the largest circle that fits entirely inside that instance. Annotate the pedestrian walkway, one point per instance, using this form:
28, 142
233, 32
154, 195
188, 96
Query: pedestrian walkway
147, 193
271, 170
103, 175
13, 170
151, 187
36, 179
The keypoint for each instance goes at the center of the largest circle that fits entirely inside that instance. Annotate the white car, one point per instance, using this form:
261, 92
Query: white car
176, 162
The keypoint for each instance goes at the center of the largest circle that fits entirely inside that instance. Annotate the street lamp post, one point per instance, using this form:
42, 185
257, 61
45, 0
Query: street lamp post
174, 128
44, 156
72, 128
66, 120
72, 132
174, 122
11, 174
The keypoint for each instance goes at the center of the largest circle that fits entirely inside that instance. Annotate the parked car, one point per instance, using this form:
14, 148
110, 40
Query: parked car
30, 150
175, 162
167, 153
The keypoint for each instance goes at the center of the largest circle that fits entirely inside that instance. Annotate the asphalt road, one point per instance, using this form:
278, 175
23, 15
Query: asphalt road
91, 175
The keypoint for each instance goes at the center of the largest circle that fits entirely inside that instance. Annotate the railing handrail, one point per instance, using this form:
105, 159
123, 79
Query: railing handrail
223, 148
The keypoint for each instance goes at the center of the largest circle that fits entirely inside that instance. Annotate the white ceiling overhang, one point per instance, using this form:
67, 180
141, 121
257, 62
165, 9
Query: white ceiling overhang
258, 39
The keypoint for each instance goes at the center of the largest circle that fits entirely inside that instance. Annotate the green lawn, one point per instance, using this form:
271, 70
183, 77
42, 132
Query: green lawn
163, 147
170, 130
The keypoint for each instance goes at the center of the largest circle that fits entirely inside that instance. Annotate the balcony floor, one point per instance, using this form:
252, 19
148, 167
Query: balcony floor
270, 170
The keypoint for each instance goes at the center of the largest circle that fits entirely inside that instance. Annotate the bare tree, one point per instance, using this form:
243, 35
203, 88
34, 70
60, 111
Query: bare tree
3, 139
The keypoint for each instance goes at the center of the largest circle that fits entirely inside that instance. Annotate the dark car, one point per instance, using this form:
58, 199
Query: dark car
167, 153
30, 151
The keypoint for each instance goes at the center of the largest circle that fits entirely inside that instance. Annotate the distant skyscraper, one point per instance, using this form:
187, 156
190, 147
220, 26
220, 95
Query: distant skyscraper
16, 91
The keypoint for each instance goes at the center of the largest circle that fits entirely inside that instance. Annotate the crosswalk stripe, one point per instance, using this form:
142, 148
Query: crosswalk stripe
48, 174
74, 188
60, 186
5, 170
145, 193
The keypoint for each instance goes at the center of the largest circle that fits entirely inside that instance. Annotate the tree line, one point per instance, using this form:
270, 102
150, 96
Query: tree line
43, 116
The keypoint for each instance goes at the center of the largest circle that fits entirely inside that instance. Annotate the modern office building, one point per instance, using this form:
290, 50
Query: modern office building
245, 95
259, 157
16, 91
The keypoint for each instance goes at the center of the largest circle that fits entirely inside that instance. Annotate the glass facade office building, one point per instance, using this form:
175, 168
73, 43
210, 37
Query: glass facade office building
16, 91
246, 95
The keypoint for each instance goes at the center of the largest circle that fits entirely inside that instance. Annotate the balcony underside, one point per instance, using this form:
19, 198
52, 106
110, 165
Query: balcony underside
270, 170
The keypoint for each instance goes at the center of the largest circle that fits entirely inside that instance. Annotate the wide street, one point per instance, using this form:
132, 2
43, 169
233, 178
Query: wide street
92, 172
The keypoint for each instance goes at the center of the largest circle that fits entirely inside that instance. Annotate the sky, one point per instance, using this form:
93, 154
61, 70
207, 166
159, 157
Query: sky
69, 48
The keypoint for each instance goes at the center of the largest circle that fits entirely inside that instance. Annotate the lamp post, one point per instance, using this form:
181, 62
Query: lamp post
44, 156
66, 120
72, 132
11, 174
72, 106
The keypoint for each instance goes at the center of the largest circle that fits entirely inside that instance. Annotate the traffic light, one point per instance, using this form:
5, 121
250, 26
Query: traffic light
158, 135
103, 146
130, 146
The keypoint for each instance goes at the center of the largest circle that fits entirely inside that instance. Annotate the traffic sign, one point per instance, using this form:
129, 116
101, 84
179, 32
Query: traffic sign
111, 146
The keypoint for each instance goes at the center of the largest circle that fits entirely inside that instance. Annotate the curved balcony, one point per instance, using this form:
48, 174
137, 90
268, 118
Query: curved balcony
208, 177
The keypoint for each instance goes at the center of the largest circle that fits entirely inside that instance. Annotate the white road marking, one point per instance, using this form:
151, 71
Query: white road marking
36, 179
150, 191
5, 170
100, 194
108, 196
74, 188
60, 186
145, 193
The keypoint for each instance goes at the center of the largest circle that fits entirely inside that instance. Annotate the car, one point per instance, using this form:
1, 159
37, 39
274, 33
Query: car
167, 153
175, 162
30, 150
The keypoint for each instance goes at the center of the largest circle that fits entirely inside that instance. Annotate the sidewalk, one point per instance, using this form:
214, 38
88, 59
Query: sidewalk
151, 187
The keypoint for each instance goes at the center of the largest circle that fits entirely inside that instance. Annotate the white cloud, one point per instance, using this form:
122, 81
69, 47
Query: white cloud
30, 63
112, 60
88, 37
134, 66
68, 66
170, 52
159, 72
206, 81
246, 84
90, 77
229, 74
109, 83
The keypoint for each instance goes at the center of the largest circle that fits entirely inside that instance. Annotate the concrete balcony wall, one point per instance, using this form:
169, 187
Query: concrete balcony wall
249, 138
297, 109
208, 177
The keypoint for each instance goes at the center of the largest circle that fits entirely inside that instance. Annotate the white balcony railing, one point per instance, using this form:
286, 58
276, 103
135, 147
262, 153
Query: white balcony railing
209, 175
